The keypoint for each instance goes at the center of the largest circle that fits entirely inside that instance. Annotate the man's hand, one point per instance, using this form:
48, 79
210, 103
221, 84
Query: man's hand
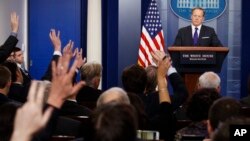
159, 56
14, 21
80, 60
55, 39
62, 86
31, 118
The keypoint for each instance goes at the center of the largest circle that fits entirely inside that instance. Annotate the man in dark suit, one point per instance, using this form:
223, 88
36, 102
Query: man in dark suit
5, 82
19, 59
10, 43
197, 34
90, 73
17, 91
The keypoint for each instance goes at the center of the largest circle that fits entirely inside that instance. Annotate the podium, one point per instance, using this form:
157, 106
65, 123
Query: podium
191, 62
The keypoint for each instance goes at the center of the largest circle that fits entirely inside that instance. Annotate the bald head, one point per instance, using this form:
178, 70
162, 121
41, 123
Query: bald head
114, 94
209, 80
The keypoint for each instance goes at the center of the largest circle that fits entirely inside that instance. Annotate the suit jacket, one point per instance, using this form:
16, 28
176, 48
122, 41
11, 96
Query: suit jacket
88, 94
26, 77
7, 47
207, 37
18, 92
71, 108
4, 99
48, 73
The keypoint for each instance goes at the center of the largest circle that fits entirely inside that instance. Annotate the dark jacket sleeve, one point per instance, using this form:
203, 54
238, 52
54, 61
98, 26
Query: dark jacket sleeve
179, 89
215, 40
7, 47
48, 73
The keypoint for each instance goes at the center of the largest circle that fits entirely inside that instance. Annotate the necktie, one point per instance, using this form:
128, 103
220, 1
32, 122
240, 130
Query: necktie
195, 36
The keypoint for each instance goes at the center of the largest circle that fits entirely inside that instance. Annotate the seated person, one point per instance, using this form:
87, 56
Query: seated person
113, 122
221, 110
223, 131
91, 73
197, 111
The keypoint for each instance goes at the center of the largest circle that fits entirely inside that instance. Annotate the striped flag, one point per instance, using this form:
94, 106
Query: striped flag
152, 35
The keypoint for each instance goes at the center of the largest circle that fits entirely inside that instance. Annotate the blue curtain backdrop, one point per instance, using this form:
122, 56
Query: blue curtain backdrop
245, 63
109, 43
63, 15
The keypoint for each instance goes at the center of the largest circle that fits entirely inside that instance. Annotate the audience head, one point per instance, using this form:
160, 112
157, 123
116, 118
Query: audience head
151, 79
197, 16
18, 55
223, 131
16, 74
114, 122
200, 102
209, 80
114, 94
221, 110
134, 79
91, 73
5, 78
7, 116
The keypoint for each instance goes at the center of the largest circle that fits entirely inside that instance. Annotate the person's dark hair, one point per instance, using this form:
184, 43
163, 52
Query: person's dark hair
152, 79
223, 131
16, 49
113, 122
199, 104
223, 109
5, 76
12, 66
199, 8
7, 116
134, 79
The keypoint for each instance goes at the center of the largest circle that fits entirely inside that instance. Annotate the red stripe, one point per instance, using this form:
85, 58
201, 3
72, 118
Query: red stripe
141, 62
156, 44
145, 54
143, 37
162, 40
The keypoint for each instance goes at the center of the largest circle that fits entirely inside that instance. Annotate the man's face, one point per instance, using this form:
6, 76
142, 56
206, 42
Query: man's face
18, 57
197, 17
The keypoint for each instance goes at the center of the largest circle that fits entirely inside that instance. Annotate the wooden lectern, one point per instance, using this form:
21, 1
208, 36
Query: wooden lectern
191, 62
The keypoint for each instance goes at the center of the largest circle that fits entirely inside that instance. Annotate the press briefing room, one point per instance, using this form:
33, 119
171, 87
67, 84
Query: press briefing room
124, 70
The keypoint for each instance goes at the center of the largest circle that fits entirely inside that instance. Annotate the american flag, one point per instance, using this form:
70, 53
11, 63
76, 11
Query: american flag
152, 35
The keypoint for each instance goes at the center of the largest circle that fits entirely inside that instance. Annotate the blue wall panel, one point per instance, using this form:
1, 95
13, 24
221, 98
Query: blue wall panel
63, 15
245, 51
109, 43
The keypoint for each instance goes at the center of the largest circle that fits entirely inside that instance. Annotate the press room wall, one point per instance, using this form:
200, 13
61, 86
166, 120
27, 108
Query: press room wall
121, 35
63, 15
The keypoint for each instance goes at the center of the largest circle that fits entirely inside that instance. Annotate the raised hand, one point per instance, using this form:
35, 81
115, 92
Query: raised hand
80, 60
30, 118
14, 21
163, 66
158, 56
62, 86
67, 50
55, 39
